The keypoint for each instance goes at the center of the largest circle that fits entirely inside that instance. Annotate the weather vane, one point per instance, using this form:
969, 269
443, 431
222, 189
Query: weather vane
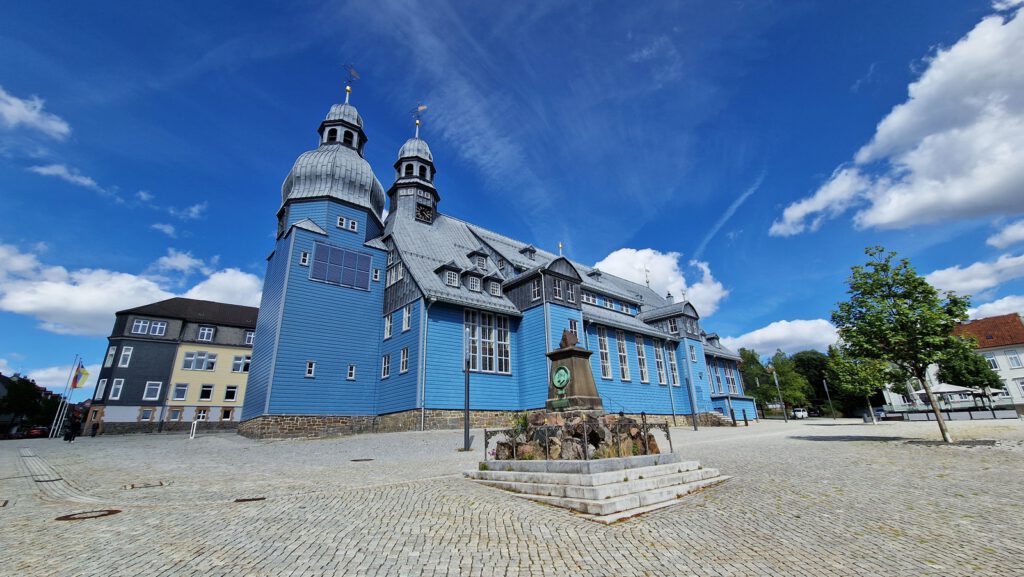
351, 76
417, 113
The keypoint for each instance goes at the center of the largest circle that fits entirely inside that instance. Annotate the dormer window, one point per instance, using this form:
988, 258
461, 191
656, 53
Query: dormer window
570, 292
408, 169
556, 287
481, 262
495, 288
673, 327
332, 135
451, 278
423, 172
349, 138
474, 284
535, 289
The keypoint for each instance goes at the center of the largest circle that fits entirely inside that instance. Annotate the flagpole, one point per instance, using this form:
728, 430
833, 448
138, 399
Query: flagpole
53, 426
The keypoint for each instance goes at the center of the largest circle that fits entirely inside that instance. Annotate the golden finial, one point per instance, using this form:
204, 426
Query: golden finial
559, 248
348, 91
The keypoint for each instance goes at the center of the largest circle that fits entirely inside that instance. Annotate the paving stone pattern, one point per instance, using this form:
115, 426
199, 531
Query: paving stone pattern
807, 498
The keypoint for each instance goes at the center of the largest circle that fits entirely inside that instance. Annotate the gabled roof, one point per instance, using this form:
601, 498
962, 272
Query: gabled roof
1000, 331
671, 309
198, 311
713, 346
311, 226
622, 321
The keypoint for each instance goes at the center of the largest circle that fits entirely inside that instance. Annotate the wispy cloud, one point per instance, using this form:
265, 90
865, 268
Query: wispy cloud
729, 212
167, 229
28, 113
144, 196
193, 212
70, 175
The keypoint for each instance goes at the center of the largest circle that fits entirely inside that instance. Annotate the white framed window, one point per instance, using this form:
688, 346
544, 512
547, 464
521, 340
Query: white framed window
992, 361
641, 359
250, 337
351, 375
140, 326
395, 274
504, 345
341, 222
488, 342
501, 265
206, 393
673, 369
353, 225
588, 297
623, 307
206, 334
403, 367
693, 354
385, 366
226, 414
481, 262
115, 389
391, 257
574, 327
673, 326
199, 361
201, 414
126, 357
240, 364
376, 274
158, 328
152, 392
406, 317
387, 326
101, 387
556, 289
495, 288
1020, 384
174, 415
146, 413
609, 303
109, 361
730, 379
304, 258
474, 284
451, 278
659, 361
536, 289
1013, 358
231, 393
570, 292
310, 369
620, 341
606, 361
180, 392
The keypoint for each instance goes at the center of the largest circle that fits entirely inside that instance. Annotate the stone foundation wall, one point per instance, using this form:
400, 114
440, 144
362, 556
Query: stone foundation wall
123, 428
297, 426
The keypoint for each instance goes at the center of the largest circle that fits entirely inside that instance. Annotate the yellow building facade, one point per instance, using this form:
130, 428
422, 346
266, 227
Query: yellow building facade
207, 383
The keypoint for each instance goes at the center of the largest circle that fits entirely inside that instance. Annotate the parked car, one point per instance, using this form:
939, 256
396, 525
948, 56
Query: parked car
812, 412
799, 414
37, 432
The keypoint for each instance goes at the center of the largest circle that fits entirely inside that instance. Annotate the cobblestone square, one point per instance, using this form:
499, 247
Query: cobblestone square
807, 498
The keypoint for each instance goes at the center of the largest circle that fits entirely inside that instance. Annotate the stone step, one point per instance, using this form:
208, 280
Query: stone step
618, 476
603, 492
583, 467
628, 503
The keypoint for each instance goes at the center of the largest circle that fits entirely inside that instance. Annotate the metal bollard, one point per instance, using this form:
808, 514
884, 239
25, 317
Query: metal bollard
746, 423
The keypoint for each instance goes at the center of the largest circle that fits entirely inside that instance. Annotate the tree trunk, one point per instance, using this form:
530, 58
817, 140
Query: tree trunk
935, 409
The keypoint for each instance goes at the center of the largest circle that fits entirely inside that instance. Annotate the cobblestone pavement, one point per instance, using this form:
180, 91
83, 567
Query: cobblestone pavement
808, 498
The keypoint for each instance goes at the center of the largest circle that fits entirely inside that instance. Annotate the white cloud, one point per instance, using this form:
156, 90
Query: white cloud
978, 277
144, 195
5, 367
68, 175
727, 215
1010, 235
193, 212
954, 149
180, 262
56, 378
1005, 305
167, 229
788, 336
666, 276
16, 112
83, 301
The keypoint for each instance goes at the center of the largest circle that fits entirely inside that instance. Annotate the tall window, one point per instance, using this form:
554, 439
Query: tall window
180, 392
641, 359
620, 339
101, 387
240, 364
200, 361
673, 369
341, 267
109, 361
387, 326
730, 379
487, 342
385, 366
556, 289
693, 354
140, 326
406, 317
659, 361
126, 356
992, 363
152, 392
115, 389
404, 366
717, 370
536, 289
570, 292
606, 361
673, 326
1011, 355
574, 328
206, 334
394, 274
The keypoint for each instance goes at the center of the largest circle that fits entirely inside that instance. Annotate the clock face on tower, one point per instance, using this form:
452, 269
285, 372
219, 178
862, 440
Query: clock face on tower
424, 213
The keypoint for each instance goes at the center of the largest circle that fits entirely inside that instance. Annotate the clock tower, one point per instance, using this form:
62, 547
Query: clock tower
413, 195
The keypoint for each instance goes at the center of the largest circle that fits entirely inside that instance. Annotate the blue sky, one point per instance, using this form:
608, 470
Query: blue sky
745, 152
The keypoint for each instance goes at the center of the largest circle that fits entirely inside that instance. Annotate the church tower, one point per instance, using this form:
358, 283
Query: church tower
413, 194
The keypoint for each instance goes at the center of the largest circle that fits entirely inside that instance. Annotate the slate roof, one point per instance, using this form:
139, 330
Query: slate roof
714, 347
345, 112
1000, 331
199, 311
415, 147
623, 321
337, 171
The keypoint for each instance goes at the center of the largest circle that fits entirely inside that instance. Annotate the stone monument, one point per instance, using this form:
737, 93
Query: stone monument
571, 382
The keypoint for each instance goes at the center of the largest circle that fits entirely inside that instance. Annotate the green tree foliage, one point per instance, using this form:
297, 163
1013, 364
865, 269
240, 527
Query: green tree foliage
794, 386
959, 365
894, 315
23, 400
856, 378
756, 380
812, 365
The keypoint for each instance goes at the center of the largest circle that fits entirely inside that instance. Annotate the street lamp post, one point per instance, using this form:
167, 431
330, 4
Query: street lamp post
833, 409
771, 369
465, 410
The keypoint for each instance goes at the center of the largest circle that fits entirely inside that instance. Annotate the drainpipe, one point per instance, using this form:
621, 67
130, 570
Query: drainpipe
690, 384
424, 317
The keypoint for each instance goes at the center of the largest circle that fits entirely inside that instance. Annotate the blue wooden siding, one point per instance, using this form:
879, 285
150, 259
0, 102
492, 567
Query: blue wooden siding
445, 377
399, 391
331, 326
699, 373
632, 396
326, 212
530, 358
267, 329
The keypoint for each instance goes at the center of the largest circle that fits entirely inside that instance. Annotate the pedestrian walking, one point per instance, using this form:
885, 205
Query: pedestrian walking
74, 429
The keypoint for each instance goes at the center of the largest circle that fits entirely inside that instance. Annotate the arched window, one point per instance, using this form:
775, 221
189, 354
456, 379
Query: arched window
423, 172
408, 169
332, 135
348, 138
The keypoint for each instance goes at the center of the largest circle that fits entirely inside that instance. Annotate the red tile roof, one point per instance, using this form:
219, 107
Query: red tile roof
1000, 331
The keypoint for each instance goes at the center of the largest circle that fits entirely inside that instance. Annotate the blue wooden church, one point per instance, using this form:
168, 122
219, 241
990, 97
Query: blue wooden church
367, 320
